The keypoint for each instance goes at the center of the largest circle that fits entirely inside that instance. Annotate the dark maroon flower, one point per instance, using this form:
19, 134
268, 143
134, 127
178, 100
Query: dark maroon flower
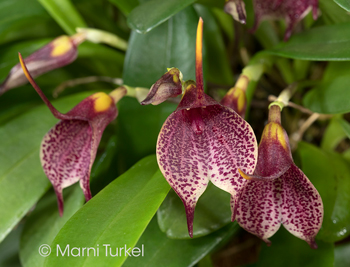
204, 141
56, 54
278, 192
291, 10
69, 149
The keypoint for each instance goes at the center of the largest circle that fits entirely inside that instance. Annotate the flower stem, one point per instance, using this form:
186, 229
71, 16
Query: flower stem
283, 99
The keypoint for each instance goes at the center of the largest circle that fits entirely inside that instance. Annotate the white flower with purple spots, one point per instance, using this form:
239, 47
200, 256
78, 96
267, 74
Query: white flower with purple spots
278, 192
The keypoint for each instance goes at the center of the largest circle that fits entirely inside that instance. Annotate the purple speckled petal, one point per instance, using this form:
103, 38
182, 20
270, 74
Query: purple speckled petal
291, 10
69, 149
290, 200
258, 209
202, 144
66, 154
302, 209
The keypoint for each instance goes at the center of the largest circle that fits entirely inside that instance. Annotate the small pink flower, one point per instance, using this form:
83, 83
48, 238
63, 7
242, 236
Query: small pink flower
278, 192
69, 149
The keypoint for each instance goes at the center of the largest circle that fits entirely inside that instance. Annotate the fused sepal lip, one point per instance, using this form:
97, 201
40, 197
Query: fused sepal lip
69, 149
290, 200
169, 85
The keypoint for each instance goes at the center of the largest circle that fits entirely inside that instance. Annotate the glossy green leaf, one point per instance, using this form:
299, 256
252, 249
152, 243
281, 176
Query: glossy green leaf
341, 255
172, 44
116, 216
150, 14
335, 69
65, 14
346, 127
218, 66
212, 212
329, 42
9, 249
344, 4
44, 223
332, 13
126, 6
330, 97
16, 15
289, 251
138, 128
333, 135
163, 251
22, 180
330, 174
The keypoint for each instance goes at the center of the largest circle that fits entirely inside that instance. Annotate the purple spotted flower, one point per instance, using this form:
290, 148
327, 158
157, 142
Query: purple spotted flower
69, 149
278, 192
291, 10
56, 54
204, 141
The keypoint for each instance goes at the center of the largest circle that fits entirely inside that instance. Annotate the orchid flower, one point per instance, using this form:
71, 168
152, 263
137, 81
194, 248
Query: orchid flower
278, 192
56, 54
69, 149
291, 10
204, 141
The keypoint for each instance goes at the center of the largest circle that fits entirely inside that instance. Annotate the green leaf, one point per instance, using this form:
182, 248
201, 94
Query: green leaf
341, 255
125, 5
132, 117
162, 251
65, 14
44, 223
218, 66
344, 4
150, 14
116, 216
16, 15
284, 244
172, 44
333, 135
326, 43
346, 127
330, 174
22, 180
332, 13
212, 212
9, 248
330, 97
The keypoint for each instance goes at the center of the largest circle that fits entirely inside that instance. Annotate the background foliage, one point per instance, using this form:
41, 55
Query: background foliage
138, 208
